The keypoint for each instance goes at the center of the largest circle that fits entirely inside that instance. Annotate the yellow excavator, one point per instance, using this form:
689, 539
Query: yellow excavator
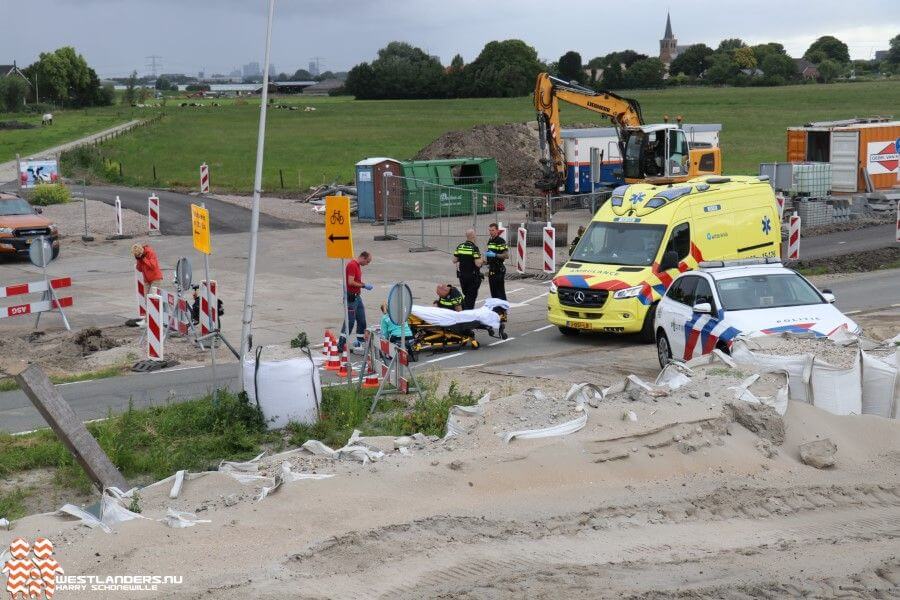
656, 154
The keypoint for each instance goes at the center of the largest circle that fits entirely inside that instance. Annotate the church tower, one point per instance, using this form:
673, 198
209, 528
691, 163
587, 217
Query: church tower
668, 46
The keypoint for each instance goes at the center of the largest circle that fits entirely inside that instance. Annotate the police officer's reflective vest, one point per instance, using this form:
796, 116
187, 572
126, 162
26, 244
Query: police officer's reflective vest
467, 253
453, 299
498, 246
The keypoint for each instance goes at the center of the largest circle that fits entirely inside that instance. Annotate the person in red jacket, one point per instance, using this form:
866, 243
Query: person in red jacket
147, 263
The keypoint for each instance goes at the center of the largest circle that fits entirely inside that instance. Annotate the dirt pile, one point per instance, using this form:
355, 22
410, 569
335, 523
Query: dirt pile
62, 352
514, 146
869, 260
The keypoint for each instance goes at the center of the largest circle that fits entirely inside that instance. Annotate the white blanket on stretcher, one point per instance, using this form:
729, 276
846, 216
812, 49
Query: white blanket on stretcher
445, 317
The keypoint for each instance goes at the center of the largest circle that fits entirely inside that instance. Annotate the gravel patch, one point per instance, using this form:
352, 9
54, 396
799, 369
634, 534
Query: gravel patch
281, 208
101, 219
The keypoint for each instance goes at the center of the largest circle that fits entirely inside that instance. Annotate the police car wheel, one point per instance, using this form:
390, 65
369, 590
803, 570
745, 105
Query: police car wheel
568, 330
663, 349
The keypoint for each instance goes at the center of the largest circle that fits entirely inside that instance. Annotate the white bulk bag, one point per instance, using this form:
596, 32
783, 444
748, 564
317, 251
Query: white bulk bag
878, 381
288, 385
798, 368
837, 390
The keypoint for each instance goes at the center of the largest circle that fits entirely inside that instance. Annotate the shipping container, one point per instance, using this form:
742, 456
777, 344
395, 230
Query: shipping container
855, 148
448, 187
373, 179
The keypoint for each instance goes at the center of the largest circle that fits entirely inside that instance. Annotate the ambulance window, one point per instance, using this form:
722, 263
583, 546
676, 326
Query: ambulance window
682, 290
703, 293
680, 240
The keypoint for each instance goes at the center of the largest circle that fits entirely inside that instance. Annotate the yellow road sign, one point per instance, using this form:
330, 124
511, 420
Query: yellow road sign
338, 237
200, 226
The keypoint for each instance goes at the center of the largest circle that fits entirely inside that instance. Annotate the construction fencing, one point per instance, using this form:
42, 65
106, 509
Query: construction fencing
431, 216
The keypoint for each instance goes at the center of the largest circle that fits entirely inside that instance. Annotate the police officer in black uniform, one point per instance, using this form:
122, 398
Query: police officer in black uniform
448, 297
497, 252
467, 258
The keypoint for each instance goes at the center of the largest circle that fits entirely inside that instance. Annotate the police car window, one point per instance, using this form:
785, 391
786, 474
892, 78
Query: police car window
766, 291
703, 292
682, 290
680, 240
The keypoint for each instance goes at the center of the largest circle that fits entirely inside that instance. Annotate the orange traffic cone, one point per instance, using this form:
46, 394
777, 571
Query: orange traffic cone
334, 360
370, 380
344, 369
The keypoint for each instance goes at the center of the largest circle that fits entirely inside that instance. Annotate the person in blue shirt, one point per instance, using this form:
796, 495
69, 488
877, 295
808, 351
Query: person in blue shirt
393, 332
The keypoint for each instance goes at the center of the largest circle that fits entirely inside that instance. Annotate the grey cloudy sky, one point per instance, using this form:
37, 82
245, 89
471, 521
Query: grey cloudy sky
116, 36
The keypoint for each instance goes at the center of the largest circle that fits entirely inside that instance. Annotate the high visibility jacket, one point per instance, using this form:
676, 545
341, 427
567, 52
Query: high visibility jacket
453, 299
467, 253
497, 245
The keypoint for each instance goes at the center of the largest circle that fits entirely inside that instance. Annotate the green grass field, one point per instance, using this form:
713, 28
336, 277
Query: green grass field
321, 146
67, 125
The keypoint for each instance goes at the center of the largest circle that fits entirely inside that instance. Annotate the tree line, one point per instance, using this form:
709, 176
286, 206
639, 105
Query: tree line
61, 78
509, 68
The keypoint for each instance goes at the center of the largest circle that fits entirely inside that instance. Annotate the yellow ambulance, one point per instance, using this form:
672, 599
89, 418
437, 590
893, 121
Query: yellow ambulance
644, 235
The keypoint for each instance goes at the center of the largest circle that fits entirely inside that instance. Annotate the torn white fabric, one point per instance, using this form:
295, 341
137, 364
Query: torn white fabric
176, 486
635, 382
85, 517
113, 513
318, 448
798, 368
552, 431
879, 380
244, 472
673, 376
179, 519
360, 453
454, 427
585, 393
779, 402
444, 317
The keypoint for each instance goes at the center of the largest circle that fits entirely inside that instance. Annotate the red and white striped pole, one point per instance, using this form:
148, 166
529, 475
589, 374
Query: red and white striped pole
154, 327
794, 238
153, 215
209, 312
204, 179
549, 248
118, 216
520, 249
141, 293
503, 233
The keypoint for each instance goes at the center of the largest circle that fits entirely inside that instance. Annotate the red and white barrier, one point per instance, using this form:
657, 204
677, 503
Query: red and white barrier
34, 287
155, 332
204, 179
153, 215
779, 200
118, 216
141, 293
178, 315
549, 249
794, 238
209, 307
520, 249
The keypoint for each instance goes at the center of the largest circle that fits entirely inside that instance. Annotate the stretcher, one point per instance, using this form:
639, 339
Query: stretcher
439, 329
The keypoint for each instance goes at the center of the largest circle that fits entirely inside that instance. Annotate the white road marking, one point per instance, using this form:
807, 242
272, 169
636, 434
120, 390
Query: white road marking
852, 312
469, 366
440, 358
498, 342
525, 302
543, 328
515, 290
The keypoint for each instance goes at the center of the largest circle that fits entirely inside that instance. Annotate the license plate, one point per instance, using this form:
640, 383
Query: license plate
578, 325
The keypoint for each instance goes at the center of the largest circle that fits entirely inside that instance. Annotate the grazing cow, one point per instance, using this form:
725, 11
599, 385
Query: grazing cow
47, 119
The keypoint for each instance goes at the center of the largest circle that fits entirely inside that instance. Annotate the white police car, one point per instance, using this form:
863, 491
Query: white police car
707, 308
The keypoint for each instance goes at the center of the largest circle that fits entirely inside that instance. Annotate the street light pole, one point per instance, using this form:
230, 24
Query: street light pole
247, 319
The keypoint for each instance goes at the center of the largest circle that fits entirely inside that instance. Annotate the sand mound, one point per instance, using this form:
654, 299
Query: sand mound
514, 146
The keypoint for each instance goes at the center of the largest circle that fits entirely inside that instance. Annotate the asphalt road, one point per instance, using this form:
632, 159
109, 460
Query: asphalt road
533, 349
175, 210
847, 242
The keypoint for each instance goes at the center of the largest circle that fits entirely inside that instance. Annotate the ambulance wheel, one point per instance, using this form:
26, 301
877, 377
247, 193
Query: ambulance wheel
646, 334
663, 349
568, 331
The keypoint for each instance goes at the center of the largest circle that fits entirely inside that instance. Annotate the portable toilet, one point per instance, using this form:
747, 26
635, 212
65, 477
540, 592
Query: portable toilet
449, 186
370, 189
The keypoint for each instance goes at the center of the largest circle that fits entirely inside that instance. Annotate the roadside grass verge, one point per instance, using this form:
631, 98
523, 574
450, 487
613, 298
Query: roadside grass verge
68, 125
309, 148
151, 444
8, 384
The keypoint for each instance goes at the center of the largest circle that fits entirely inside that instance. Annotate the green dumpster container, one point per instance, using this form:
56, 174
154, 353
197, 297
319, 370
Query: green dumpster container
448, 187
